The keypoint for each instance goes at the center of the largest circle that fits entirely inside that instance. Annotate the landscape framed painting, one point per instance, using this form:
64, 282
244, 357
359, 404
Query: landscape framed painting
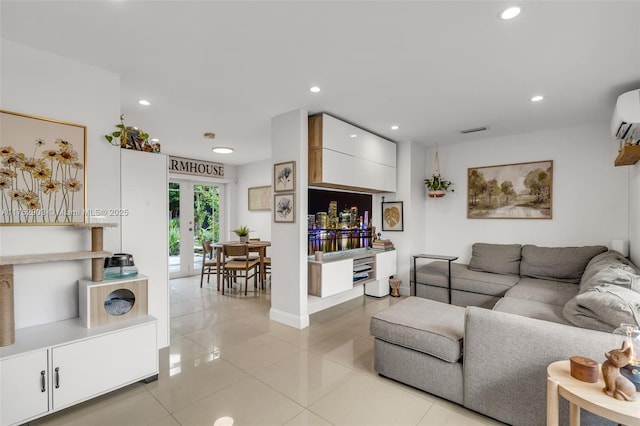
42, 171
511, 191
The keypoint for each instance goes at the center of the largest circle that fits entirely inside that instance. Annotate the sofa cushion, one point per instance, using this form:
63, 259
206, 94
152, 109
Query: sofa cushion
557, 263
544, 291
464, 279
606, 300
496, 258
423, 325
531, 309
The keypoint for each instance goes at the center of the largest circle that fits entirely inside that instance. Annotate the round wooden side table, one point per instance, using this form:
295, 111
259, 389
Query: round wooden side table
585, 395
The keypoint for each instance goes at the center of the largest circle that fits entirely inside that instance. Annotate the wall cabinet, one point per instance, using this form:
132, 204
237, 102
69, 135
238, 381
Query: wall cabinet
52, 367
343, 156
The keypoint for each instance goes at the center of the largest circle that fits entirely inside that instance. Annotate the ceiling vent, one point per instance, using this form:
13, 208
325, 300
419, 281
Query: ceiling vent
473, 130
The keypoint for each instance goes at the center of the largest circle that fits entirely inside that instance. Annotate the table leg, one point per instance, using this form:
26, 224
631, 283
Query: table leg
449, 282
218, 268
574, 414
263, 275
553, 406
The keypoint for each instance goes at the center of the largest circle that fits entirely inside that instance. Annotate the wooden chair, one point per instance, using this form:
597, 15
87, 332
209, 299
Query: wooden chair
208, 266
237, 264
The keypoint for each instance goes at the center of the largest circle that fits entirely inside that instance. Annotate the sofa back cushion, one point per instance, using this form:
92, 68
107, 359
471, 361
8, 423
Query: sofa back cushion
558, 263
496, 258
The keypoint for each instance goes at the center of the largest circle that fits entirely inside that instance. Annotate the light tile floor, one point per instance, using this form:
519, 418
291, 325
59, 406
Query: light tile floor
228, 364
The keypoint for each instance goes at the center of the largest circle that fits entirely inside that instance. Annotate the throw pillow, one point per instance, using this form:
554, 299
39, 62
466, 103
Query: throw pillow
565, 264
496, 258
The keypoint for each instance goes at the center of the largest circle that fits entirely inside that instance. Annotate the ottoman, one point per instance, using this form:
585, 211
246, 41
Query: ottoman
419, 342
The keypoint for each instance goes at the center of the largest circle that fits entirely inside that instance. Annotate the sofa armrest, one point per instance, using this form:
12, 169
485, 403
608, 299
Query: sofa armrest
506, 358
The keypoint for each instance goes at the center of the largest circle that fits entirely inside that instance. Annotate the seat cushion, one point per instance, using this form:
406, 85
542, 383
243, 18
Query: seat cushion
531, 309
423, 325
557, 263
464, 279
544, 291
496, 258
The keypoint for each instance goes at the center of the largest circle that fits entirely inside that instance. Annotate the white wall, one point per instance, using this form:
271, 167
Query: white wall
634, 213
289, 304
590, 195
249, 175
41, 84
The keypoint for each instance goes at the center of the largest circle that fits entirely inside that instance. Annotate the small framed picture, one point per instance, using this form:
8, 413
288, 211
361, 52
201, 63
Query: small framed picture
284, 210
392, 216
284, 177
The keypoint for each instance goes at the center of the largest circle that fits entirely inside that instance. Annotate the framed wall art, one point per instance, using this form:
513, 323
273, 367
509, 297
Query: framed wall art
42, 171
260, 198
284, 206
284, 177
392, 216
511, 191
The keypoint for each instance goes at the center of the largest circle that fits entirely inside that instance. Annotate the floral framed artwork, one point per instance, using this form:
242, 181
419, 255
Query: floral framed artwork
511, 191
284, 206
392, 216
284, 177
42, 171
260, 198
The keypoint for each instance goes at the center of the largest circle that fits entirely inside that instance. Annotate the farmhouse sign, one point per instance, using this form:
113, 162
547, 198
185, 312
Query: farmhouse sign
187, 166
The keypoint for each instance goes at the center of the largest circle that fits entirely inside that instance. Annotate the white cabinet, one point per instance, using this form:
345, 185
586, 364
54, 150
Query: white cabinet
385, 268
329, 278
24, 385
52, 367
346, 157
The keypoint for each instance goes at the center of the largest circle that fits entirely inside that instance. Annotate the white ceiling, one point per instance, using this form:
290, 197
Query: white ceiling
431, 67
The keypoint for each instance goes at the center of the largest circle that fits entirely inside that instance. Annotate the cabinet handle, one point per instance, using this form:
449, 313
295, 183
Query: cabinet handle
43, 382
57, 377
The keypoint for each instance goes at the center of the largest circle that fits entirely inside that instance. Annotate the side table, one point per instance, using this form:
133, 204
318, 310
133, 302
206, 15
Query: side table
585, 395
435, 257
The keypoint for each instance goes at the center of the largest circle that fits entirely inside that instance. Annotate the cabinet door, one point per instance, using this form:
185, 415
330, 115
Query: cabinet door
24, 387
91, 367
337, 277
385, 264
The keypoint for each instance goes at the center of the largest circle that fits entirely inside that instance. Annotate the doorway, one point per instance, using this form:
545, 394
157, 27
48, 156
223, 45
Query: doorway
194, 217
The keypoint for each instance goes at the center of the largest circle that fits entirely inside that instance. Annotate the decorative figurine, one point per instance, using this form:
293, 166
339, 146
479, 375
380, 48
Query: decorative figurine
616, 385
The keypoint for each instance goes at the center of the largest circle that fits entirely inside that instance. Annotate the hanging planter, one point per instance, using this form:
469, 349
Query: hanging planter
436, 186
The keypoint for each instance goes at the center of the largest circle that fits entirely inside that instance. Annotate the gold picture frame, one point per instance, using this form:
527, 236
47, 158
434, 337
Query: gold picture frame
259, 198
511, 191
43, 171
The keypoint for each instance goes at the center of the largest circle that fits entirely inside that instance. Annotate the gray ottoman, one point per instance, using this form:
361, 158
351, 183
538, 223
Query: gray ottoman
419, 342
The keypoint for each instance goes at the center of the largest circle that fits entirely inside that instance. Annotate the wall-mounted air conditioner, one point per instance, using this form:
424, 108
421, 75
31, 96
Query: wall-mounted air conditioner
625, 123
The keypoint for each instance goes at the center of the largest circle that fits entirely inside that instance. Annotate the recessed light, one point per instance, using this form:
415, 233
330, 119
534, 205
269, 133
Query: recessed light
144, 102
353, 136
537, 98
222, 150
314, 89
395, 127
155, 140
510, 13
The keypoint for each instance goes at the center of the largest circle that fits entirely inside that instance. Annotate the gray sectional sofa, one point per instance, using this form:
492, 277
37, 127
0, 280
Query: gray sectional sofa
540, 305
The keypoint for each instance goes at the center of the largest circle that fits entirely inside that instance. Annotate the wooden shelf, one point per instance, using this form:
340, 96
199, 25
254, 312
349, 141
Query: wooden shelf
52, 257
628, 156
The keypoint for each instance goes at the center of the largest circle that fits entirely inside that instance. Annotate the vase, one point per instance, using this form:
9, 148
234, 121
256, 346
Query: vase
244, 238
436, 193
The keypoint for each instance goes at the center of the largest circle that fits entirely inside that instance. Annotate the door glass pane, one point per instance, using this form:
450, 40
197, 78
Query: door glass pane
206, 217
174, 227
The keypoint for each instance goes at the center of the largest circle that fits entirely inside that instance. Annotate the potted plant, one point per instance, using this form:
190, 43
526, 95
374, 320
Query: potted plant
131, 138
438, 187
242, 233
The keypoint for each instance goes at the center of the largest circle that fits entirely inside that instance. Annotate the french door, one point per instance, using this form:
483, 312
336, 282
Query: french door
194, 217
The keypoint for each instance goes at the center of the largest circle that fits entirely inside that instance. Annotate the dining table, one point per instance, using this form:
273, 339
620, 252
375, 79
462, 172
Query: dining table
255, 246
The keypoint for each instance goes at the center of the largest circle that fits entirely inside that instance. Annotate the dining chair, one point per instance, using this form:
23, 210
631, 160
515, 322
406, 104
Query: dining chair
209, 266
233, 268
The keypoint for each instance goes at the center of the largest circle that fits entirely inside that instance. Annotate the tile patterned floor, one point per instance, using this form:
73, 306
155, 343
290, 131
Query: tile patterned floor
228, 364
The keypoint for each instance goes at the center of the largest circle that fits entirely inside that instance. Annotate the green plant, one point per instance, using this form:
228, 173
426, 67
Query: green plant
174, 237
436, 183
130, 137
243, 231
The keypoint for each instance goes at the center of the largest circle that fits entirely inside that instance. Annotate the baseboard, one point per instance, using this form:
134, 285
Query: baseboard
286, 318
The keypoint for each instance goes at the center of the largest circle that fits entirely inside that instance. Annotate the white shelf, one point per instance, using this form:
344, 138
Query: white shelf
22, 259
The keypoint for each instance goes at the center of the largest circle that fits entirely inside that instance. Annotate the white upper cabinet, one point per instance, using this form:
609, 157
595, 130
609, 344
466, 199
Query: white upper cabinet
344, 156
